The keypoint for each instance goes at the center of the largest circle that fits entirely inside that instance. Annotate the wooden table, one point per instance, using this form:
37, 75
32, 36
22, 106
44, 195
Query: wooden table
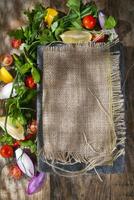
115, 186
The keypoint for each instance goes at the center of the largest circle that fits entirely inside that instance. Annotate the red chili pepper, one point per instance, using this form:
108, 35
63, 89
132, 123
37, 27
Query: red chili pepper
29, 82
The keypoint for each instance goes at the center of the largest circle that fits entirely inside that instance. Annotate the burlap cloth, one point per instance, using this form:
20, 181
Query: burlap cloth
81, 103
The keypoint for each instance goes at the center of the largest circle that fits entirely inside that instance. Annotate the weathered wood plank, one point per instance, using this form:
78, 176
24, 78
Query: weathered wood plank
16, 190
80, 188
122, 186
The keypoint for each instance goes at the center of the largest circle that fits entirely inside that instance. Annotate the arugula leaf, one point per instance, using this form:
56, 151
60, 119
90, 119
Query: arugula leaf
35, 74
110, 22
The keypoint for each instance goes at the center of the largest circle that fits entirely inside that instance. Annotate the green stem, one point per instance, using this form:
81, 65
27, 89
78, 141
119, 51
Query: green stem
28, 109
7, 111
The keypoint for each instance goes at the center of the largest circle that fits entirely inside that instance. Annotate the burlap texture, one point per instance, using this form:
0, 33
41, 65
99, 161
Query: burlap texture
77, 103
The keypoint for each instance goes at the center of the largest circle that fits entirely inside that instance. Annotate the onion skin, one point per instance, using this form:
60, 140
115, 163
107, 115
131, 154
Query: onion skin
5, 91
102, 19
24, 162
36, 183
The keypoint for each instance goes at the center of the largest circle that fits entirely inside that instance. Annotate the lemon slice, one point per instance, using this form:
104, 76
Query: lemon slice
76, 36
5, 76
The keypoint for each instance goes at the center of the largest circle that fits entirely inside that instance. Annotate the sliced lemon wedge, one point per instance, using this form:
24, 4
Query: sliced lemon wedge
5, 76
76, 36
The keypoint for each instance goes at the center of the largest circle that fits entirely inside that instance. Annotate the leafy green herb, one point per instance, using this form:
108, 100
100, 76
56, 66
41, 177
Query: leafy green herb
35, 74
25, 68
6, 139
28, 96
18, 34
46, 37
110, 23
74, 5
89, 9
29, 144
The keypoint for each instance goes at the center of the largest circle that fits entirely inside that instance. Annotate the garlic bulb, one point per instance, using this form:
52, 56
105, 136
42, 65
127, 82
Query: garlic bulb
5, 91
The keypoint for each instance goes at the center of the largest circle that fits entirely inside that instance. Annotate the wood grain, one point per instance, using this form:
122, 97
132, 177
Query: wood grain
80, 188
115, 186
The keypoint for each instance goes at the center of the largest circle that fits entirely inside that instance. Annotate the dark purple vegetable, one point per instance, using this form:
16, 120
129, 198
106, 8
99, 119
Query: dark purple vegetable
36, 183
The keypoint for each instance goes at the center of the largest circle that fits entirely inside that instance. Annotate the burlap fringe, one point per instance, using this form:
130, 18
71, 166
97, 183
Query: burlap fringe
57, 159
118, 108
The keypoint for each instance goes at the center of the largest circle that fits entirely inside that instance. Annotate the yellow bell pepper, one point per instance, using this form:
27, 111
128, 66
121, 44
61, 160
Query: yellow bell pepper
51, 13
5, 76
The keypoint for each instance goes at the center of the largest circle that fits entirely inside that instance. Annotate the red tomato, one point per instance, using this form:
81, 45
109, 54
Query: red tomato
33, 127
6, 151
89, 22
15, 43
29, 82
7, 60
15, 171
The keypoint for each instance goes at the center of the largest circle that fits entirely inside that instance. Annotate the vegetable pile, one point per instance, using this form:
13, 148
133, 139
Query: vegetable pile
19, 76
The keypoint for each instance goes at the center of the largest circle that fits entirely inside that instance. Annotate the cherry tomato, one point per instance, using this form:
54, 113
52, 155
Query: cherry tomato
89, 22
15, 43
15, 171
29, 82
7, 60
33, 127
6, 151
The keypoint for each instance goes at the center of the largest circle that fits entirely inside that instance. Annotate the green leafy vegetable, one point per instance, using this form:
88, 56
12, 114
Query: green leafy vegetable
29, 144
25, 68
74, 5
110, 23
6, 139
18, 34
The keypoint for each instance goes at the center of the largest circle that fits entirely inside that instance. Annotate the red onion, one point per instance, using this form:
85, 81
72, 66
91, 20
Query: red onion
102, 19
36, 183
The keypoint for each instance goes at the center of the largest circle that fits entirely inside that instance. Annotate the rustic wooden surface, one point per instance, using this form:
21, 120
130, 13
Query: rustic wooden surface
115, 186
